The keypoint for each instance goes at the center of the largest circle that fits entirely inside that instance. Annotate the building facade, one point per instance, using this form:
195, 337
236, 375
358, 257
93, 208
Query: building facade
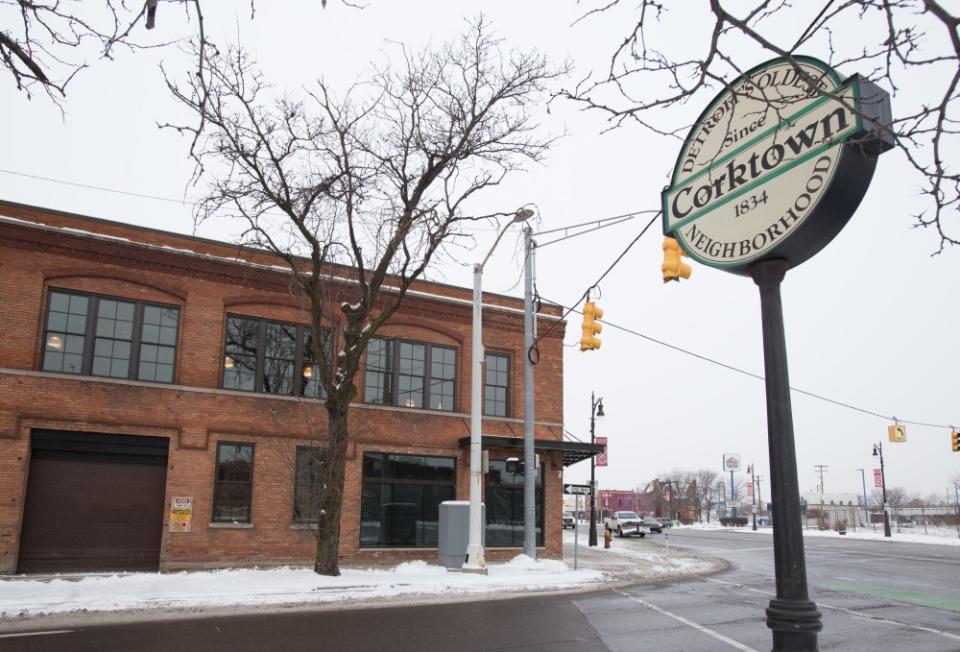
159, 409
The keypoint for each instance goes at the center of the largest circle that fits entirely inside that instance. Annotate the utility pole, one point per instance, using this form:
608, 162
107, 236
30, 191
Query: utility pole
760, 495
820, 469
878, 451
866, 511
753, 494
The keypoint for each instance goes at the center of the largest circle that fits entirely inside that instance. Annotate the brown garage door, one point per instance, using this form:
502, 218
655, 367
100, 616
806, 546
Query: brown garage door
94, 503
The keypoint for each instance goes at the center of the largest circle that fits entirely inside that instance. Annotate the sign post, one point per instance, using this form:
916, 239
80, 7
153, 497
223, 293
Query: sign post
577, 490
770, 173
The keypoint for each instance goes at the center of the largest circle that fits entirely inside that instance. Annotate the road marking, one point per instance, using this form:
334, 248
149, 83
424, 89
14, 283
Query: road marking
922, 599
697, 626
740, 586
888, 621
851, 612
845, 579
47, 633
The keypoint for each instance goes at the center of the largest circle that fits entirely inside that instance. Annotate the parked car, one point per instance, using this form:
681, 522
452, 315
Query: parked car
626, 524
656, 527
568, 521
665, 522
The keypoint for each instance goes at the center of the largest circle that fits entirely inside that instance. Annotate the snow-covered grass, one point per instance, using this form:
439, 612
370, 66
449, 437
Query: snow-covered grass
661, 560
59, 594
937, 536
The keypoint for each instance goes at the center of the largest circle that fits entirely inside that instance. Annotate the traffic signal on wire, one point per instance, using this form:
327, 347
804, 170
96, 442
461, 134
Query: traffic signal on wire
955, 441
591, 326
673, 267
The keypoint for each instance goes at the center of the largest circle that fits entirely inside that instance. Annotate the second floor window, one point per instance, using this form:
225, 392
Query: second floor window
271, 357
410, 374
106, 336
496, 386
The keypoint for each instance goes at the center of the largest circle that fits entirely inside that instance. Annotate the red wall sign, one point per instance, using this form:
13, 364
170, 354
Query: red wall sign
601, 457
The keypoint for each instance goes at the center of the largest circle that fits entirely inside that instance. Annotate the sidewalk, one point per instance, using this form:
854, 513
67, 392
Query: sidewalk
24, 600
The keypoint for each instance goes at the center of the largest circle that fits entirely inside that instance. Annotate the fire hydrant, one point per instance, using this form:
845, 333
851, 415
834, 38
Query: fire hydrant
607, 537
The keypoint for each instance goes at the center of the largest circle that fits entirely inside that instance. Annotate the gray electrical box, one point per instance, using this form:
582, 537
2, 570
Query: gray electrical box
455, 532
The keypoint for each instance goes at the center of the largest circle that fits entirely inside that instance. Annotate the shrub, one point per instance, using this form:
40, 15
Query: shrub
729, 521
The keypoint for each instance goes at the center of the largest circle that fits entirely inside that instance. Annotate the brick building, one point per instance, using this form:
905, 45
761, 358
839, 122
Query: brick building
612, 500
138, 367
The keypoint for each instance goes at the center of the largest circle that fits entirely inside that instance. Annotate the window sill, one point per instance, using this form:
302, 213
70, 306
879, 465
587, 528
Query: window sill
230, 526
303, 526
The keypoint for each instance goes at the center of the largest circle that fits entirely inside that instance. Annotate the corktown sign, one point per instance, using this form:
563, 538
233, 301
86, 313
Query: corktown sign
776, 165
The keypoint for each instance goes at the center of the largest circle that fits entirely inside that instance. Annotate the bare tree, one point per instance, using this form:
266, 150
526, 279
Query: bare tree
888, 41
46, 44
706, 482
360, 194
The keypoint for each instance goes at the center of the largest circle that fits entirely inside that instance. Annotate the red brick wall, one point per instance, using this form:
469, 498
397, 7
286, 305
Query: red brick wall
194, 414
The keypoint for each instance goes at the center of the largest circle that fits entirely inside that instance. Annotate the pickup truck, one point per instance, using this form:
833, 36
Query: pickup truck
626, 524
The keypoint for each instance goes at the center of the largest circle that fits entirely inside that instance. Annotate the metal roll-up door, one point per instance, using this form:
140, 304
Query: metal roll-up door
94, 503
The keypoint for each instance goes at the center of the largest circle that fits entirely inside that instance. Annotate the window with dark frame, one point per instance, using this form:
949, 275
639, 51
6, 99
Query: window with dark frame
306, 487
233, 483
496, 386
400, 499
272, 357
503, 498
410, 374
93, 335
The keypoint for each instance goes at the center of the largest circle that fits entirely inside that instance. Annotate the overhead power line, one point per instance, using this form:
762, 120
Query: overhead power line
100, 188
750, 374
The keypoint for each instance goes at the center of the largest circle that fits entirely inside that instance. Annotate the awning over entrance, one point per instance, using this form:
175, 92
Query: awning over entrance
573, 451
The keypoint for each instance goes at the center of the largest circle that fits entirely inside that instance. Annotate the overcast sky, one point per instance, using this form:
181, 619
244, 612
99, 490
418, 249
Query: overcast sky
871, 321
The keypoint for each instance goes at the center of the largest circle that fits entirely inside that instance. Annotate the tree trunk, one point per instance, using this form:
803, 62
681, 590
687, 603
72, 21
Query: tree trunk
327, 560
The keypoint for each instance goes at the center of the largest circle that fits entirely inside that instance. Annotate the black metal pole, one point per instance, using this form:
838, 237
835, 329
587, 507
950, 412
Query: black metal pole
792, 616
883, 486
592, 541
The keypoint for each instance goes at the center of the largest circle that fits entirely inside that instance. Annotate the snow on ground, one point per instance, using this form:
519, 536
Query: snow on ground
659, 558
21, 596
937, 536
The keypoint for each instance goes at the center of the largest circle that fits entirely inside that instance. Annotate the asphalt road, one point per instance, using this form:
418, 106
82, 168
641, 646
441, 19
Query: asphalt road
874, 596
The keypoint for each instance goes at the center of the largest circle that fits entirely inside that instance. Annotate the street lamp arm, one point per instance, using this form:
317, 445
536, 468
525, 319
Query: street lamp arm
521, 215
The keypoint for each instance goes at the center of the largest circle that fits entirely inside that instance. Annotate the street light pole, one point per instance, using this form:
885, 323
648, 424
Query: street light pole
792, 616
531, 473
753, 494
596, 410
475, 560
878, 450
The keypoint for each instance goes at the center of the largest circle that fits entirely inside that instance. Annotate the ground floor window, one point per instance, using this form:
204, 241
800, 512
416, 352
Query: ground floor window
401, 496
504, 500
306, 486
233, 483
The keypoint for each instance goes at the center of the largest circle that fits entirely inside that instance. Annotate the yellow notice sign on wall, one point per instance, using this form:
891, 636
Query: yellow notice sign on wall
897, 433
181, 513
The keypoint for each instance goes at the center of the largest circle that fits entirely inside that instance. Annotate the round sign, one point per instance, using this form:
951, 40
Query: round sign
776, 165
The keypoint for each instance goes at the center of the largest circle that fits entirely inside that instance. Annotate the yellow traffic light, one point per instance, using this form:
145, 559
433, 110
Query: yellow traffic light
673, 267
955, 441
591, 326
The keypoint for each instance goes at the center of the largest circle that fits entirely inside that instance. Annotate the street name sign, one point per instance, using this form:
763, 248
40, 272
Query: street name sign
776, 165
581, 489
